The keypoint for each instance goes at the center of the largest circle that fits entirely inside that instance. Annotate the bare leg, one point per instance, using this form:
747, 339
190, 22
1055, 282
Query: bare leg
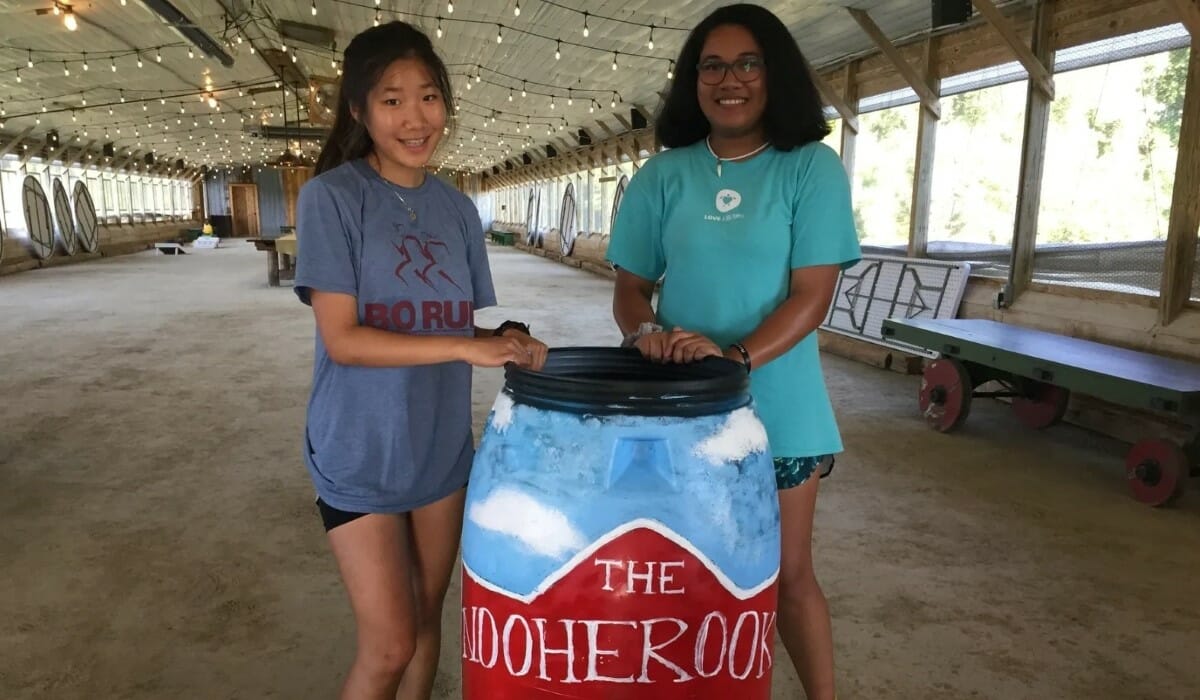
372, 553
804, 621
436, 530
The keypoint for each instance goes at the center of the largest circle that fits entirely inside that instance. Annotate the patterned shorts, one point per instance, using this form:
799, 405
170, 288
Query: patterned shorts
793, 471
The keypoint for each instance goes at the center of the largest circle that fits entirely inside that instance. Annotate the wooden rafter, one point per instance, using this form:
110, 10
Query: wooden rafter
1038, 72
929, 99
15, 142
849, 116
79, 155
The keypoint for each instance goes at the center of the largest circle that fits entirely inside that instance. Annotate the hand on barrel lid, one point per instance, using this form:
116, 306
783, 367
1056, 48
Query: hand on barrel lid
678, 345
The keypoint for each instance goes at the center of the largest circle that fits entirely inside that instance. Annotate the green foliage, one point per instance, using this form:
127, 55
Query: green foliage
968, 108
1167, 86
888, 122
1104, 131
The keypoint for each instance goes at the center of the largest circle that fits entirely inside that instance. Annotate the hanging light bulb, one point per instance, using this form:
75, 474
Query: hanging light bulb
85, 63
650, 44
191, 54
499, 33
450, 6
66, 69
558, 49
69, 20
114, 65
29, 61
314, 8
614, 66
522, 88
570, 99
670, 70
157, 56
586, 32
517, 9
378, 17
439, 27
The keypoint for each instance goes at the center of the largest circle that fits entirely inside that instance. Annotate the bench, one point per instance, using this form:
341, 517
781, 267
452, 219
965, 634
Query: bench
281, 257
1038, 370
170, 249
502, 237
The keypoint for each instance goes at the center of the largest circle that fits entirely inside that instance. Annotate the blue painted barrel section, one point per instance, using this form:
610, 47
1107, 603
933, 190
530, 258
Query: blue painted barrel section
600, 457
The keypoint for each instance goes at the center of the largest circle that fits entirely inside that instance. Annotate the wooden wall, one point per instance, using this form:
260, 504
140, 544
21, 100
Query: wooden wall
293, 180
114, 240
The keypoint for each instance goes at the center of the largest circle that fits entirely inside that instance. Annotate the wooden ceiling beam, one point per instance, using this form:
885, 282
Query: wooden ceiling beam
1038, 72
929, 99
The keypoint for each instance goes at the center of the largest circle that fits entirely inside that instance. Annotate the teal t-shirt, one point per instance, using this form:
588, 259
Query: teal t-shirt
725, 245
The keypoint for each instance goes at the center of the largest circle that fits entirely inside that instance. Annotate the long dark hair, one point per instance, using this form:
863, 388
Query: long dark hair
794, 114
366, 58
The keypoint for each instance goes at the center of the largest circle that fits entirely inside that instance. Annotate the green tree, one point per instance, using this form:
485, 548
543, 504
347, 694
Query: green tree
1167, 88
968, 108
888, 122
1104, 131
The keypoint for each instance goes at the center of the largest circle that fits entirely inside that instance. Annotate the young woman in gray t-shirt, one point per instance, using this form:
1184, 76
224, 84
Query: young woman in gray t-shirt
393, 263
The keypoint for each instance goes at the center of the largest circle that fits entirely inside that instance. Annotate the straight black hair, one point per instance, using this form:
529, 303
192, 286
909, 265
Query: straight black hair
366, 58
794, 115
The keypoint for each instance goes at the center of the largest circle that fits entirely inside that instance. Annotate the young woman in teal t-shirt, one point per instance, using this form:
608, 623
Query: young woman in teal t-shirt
747, 221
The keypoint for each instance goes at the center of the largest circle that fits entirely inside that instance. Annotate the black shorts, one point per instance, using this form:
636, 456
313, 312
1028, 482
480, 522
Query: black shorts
332, 517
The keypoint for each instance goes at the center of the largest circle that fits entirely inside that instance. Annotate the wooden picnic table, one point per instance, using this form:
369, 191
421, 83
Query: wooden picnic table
281, 257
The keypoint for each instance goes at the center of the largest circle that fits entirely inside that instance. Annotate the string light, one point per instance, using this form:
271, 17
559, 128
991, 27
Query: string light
314, 8
614, 66
450, 6
439, 27
557, 49
499, 33
650, 44
585, 26
517, 9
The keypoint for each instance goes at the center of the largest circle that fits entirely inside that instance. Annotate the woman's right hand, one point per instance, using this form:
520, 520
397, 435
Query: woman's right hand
496, 351
655, 347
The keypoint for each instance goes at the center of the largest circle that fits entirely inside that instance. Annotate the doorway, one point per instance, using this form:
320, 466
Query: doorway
243, 209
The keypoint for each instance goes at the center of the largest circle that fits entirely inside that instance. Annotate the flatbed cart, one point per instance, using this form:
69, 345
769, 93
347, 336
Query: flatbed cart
1038, 370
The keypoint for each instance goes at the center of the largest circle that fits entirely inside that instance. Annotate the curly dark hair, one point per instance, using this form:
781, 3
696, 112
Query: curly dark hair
794, 114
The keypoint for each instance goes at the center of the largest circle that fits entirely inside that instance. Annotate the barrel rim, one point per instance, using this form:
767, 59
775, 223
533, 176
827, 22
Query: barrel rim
710, 386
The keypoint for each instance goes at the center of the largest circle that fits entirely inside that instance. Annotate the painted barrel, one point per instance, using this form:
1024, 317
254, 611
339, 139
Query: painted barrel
621, 537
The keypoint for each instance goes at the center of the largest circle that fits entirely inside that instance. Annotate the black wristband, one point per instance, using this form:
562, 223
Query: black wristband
745, 354
511, 324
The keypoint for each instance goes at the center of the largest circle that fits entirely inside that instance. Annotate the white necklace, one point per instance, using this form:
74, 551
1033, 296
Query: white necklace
708, 143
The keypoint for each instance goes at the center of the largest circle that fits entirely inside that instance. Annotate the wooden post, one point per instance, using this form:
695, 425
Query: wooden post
1033, 161
922, 192
1180, 257
849, 135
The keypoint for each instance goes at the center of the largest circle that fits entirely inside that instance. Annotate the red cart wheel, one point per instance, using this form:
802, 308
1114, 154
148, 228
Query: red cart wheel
945, 397
1157, 471
1043, 406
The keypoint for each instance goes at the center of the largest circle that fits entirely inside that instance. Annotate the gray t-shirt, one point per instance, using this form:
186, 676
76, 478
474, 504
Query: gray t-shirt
388, 440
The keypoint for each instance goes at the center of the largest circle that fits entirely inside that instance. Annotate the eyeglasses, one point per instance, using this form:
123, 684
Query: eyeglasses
746, 70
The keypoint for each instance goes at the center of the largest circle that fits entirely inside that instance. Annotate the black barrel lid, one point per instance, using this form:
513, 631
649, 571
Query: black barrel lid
606, 380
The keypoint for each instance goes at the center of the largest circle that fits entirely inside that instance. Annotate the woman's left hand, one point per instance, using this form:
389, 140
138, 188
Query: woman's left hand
685, 346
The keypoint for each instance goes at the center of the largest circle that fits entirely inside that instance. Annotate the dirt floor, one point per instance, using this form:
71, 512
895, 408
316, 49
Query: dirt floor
159, 538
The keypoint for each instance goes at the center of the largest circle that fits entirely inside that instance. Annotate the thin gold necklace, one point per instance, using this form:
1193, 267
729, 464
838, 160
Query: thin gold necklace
412, 214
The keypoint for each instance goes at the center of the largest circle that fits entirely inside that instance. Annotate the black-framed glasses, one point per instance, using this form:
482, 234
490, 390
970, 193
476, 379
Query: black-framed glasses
746, 70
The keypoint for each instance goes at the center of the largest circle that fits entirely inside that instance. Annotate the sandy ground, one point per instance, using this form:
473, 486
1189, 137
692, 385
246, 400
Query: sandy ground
159, 538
